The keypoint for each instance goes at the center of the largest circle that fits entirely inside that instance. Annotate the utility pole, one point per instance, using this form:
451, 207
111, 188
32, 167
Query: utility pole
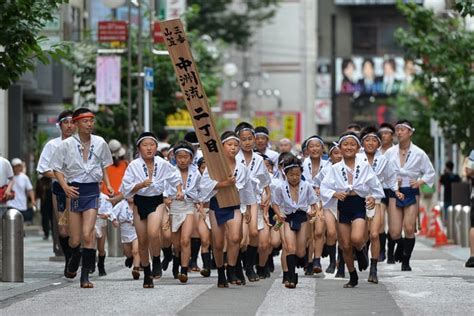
140, 69
245, 88
129, 81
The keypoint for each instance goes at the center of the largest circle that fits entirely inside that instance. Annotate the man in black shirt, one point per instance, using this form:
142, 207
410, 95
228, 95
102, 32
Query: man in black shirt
446, 179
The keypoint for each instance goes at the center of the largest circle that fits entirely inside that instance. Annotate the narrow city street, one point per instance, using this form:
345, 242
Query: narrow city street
439, 284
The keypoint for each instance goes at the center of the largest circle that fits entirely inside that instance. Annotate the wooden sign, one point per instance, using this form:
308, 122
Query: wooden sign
196, 102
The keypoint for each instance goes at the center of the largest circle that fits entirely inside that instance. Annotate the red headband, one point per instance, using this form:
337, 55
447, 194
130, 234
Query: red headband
83, 115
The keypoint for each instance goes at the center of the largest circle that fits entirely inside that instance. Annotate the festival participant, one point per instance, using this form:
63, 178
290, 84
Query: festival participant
228, 220
285, 145
414, 169
104, 214
262, 137
182, 211
312, 165
123, 218
386, 131
144, 180
258, 231
293, 201
67, 128
330, 217
356, 187
387, 175
78, 164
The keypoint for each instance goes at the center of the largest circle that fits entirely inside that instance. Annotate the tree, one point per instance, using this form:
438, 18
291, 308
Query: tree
112, 120
443, 48
21, 22
223, 20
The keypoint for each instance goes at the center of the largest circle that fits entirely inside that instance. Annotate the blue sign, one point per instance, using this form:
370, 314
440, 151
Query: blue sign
149, 84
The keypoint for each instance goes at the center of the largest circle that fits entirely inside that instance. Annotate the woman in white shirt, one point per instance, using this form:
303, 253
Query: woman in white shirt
356, 187
414, 169
228, 220
294, 200
145, 179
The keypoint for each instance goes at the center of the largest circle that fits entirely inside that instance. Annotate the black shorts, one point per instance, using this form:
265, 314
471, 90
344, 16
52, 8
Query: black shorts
352, 208
223, 214
388, 194
296, 219
60, 196
147, 204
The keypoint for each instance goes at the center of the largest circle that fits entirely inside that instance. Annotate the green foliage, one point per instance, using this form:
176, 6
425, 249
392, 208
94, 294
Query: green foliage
221, 20
464, 7
444, 51
21, 22
112, 120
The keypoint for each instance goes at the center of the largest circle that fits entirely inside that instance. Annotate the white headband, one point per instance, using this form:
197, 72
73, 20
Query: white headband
385, 129
343, 138
229, 138
406, 126
146, 137
251, 130
184, 149
316, 139
291, 166
66, 118
261, 134
373, 135
336, 145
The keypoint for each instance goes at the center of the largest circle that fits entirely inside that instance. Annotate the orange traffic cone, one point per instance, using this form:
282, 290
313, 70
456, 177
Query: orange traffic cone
441, 238
424, 222
432, 221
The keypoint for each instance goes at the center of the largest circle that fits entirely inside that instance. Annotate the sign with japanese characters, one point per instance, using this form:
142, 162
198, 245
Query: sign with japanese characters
198, 107
113, 31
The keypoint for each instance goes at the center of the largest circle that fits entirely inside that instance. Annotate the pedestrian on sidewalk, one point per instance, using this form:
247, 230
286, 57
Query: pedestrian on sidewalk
23, 190
6, 183
446, 180
79, 166
45, 194
470, 175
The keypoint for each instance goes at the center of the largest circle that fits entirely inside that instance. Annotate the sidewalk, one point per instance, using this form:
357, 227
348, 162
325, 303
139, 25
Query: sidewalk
42, 271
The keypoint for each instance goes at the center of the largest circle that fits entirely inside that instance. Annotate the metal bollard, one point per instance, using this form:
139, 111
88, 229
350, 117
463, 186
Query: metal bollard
12, 246
114, 241
450, 227
457, 224
465, 225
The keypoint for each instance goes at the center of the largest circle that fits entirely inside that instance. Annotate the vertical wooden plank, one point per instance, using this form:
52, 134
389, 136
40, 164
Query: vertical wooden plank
196, 102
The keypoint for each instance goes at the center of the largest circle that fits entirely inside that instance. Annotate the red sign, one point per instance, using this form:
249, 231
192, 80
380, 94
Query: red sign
113, 31
158, 36
229, 105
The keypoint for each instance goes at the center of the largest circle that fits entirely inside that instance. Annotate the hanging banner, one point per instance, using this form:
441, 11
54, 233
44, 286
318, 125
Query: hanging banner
281, 124
198, 107
108, 80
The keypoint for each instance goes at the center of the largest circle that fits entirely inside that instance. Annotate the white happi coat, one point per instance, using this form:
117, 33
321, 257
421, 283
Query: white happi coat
137, 172
258, 173
190, 187
68, 159
417, 165
385, 170
308, 171
243, 184
44, 162
282, 197
364, 181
